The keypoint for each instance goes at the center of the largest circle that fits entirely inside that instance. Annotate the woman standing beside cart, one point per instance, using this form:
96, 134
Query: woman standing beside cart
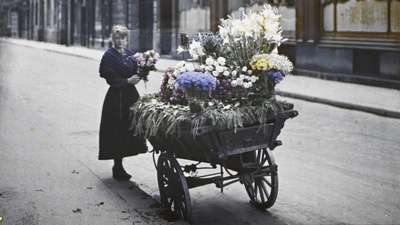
120, 70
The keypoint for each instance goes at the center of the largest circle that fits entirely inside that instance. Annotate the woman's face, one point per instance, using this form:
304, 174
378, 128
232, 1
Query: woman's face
119, 41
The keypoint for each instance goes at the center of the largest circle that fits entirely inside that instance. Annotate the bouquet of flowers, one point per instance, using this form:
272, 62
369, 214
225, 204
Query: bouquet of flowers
242, 59
146, 62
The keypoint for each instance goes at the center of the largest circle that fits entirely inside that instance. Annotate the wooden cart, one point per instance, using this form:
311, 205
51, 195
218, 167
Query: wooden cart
245, 155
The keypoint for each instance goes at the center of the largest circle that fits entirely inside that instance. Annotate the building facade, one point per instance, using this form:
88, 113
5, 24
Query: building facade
346, 40
355, 41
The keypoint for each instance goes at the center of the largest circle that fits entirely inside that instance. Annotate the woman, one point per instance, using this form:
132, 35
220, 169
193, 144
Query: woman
119, 69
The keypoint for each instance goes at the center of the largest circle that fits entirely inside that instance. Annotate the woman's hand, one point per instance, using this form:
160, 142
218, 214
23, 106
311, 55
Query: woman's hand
134, 79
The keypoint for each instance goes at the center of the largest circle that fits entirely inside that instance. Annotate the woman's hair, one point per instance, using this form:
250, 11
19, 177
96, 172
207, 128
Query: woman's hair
123, 31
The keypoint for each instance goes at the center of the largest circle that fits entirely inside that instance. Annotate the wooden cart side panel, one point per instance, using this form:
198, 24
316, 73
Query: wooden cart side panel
245, 139
211, 146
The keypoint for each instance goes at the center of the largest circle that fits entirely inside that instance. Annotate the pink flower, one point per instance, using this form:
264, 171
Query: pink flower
146, 62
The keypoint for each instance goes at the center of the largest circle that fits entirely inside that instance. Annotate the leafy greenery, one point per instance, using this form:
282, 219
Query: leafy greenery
151, 117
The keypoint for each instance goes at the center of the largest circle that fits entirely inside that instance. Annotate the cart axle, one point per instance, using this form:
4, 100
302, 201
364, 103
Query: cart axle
196, 182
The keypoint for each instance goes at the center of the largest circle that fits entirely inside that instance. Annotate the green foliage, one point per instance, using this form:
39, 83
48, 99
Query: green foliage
151, 117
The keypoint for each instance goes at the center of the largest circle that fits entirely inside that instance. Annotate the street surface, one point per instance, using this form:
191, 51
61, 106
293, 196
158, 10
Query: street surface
336, 166
49, 118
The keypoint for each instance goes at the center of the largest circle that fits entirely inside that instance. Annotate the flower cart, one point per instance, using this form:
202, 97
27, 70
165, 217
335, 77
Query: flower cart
247, 152
220, 109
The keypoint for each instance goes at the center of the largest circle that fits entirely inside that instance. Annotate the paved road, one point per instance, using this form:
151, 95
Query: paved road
336, 166
49, 119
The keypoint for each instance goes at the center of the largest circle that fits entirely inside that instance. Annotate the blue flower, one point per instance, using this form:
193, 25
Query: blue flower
197, 80
275, 76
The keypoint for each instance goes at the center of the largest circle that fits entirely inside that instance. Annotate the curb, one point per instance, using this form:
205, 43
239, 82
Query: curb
344, 105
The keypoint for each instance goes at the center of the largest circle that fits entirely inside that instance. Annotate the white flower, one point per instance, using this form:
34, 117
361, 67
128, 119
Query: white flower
249, 72
189, 67
221, 61
242, 76
239, 82
253, 78
209, 61
281, 63
234, 73
195, 45
226, 73
180, 50
182, 67
179, 65
215, 73
219, 69
246, 84
244, 69
196, 50
234, 83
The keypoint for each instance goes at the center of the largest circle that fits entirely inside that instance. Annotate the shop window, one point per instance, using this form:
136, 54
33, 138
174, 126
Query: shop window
395, 16
355, 18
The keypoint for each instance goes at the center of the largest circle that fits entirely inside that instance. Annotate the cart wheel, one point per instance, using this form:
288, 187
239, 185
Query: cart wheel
263, 190
174, 192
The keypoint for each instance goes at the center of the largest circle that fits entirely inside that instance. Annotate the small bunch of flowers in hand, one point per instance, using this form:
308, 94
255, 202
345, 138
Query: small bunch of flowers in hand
146, 62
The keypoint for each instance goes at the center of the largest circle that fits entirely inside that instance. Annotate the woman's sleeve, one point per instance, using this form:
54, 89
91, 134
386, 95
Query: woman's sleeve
111, 75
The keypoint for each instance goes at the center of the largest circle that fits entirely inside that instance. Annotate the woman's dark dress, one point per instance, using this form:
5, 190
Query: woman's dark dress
116, 140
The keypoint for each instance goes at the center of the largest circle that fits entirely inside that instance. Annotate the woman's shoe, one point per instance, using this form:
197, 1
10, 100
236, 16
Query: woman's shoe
120, 174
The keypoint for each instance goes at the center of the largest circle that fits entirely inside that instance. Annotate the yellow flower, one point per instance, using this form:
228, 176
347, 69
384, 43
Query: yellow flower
261, 62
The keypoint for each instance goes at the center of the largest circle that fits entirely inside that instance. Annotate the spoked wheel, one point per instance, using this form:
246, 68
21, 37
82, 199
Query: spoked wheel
262, 188
174, 192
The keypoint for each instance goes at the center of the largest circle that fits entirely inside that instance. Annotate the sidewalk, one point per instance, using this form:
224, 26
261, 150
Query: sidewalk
376, 100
